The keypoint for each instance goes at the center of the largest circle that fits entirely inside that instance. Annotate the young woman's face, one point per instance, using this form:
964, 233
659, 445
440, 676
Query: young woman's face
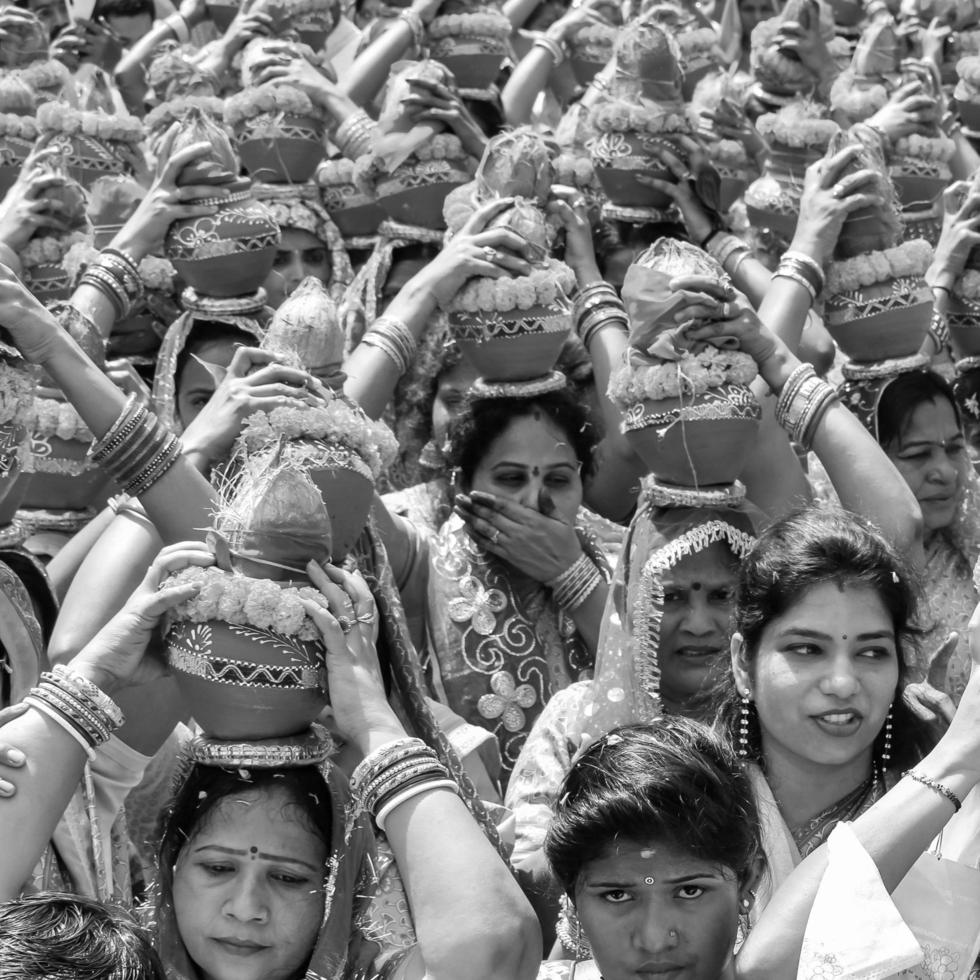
652, 910
300, 254
932, 458
249, 889
196, 384
532, 455
824, 678
694, 632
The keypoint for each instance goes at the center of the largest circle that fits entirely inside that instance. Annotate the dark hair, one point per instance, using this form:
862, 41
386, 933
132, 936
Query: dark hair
485, 419
675, 781
206, 332
966, 390
809, 548
903, 396
52, 936
206, 786
122, 8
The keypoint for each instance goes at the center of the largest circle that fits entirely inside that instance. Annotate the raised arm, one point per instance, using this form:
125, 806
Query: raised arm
470, 916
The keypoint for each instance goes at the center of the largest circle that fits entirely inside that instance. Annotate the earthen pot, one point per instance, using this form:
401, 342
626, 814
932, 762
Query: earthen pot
49, 282
227, 253
619, 157
241, 682
513, 346
697, 441
773, 200
87, 158
963, 320
289, 157
919, 183
345, 483
415, 192
969, 114
880, 322
355, 213
222, 13
584, 70
474, 61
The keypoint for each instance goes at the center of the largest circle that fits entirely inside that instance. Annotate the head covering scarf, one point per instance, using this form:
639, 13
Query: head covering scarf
299, 206
337, 953
247, 313
21, 639
668, 526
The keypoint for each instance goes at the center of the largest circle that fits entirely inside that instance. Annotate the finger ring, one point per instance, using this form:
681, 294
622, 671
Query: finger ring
839, 190
345, 623
366, 618
495, 536
687, 175
490, 254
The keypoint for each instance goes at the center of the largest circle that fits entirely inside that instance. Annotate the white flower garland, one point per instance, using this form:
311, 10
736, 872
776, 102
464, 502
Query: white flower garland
857, 102
616, 116
968, 70
937, 148
542, 287
910, 259
271, 99
443, 146
13, 125
58, 117
167, 113
798, 126
968, 285
729, 153
48, 249
575, 169
332, 173
54, 417
692, 374
696, 42
16, 390
234, 598
480, 23
335, 422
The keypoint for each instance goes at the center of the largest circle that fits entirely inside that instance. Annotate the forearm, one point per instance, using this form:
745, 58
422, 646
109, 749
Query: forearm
784, 309
65, 565
965, 160
372, 66
470, 916
525, 84
94, 304
371, 374
588, 617
751, 277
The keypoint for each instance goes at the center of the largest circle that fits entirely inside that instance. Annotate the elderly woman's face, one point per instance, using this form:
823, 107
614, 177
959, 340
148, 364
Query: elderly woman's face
300, 254
249, 889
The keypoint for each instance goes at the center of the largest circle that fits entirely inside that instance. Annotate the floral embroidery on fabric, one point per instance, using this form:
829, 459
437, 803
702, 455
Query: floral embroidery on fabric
507, 701
477, 605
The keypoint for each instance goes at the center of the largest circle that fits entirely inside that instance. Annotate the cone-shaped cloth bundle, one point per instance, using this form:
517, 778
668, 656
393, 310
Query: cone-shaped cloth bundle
647, 65
221, 165
517, 163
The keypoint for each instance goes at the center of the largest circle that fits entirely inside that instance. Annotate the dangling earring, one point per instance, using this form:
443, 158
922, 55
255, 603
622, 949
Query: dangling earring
886, 745
743, 727
569, 931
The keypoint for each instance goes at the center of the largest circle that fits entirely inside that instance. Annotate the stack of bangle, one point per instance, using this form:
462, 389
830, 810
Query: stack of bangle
597, 306
117, 276
353, 135
181, 31
78, 706
393, 338
802, 403
803, 270
396, 773
138, 449
723, 247
414, 21
939, 331
576, 583
555, 48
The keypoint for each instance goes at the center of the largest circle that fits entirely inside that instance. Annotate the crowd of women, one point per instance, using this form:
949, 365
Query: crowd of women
487, 490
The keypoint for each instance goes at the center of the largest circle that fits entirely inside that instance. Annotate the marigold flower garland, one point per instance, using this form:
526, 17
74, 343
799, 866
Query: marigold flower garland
479, 23
907, 260
798, 126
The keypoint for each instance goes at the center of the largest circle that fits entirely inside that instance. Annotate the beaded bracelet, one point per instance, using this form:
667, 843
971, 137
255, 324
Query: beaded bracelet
937, 787
393, 338
130, 417
157, 467
107, 285
576, 583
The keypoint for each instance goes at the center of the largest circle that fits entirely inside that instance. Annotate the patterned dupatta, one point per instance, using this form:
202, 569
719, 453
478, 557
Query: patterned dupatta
498, 656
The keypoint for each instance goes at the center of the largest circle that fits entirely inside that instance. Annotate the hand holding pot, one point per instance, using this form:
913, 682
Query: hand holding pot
828, 198
910, 109
165, 202
681, 188
960, 235
743, 324
24, 209
569, 205
347, 619
114, 657
10, 758
432, 101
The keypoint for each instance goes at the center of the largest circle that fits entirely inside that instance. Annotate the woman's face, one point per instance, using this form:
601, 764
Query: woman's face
694, 632
196, 384
753, 13
300, 254
249, 889
932, 458
530, 462
824, 678
651, 910
451, 392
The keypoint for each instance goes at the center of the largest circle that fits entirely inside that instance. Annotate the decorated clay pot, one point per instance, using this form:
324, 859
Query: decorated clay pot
584, 70
773, 200
919, 183
14, 151
619, 157
355, 213
475, 61
969, 114
291, 156
242, 682
62, 478
88, 158
345, 483
12, 480
415, 192
925, 223
731, 187
227, 253
511, 346
963, 320
695, 442
880, 322
49, 282
135, 336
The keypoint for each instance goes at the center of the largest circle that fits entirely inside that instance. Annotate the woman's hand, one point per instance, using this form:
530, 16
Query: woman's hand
165, 202
803, 39
282, 63
960, 235
250, 22
254, 382
680, 189
729, 121
933, 39
32, 328
539, 543
9, 756
742, 323
114, 657
24, 210
828, 198
432, 101
348, 622
569, 206
927, 699
476, 251
911, 109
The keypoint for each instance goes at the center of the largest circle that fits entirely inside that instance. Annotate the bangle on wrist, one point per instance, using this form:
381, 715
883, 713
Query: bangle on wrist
179, 27
555, 48
936, 787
